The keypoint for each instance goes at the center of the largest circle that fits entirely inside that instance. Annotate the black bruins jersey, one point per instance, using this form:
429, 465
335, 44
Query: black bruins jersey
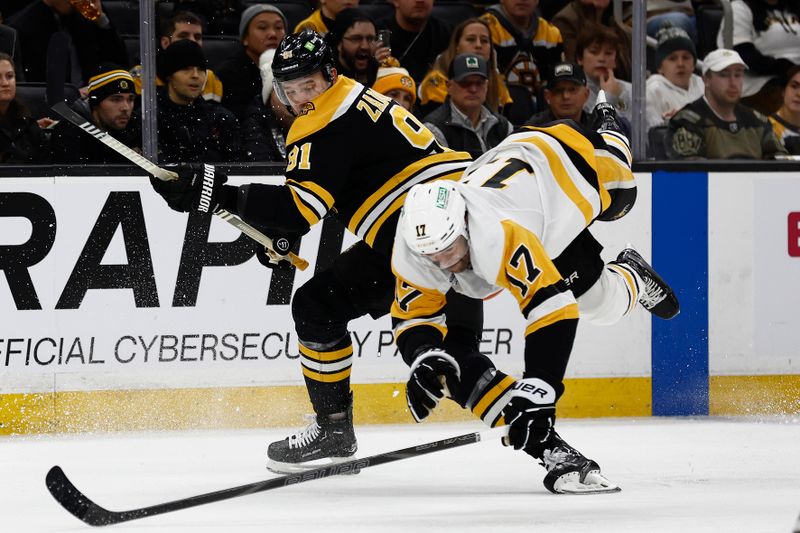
353, 153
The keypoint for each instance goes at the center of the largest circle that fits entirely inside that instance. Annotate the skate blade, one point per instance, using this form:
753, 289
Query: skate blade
593, 483
277, 467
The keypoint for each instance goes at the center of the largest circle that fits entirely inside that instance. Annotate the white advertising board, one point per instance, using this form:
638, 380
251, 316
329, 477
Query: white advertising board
105, 288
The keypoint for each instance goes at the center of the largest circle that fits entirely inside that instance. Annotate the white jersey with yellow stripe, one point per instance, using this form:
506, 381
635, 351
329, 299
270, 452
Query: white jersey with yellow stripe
526, 199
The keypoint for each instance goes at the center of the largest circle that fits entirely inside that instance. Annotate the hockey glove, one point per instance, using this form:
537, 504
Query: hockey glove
198, 188
431, 372
276, 259
530, 415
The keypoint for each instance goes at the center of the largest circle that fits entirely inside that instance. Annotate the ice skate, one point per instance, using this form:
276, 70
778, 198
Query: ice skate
605, 117
326, 440
656, 295
569, 472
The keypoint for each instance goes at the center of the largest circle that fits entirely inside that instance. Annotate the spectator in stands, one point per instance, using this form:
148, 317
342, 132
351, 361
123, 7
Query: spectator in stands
261, 28
597, 52
527, 47
717, 126
82, 44
786, 122
766, 34
577, 15
463, 123
218, 15
675, 84
267, 120
472, 36
110, 108
417, 36
183, 25
190, 128
9, 44
671, 14
356, 52
321, 19
565, 94
396, 83
21, 139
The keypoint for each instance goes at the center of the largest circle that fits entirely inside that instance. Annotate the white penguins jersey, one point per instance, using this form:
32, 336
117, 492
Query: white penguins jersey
526, 200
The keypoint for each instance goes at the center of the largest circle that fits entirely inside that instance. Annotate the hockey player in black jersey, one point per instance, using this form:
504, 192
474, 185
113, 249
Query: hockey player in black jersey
362, 182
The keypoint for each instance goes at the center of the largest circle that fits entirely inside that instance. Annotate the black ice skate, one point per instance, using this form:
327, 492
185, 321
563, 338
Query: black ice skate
569, 472
326, 440
604, 116
655, 296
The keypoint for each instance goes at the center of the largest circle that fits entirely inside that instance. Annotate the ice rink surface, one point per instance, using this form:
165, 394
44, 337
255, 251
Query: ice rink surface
677, 475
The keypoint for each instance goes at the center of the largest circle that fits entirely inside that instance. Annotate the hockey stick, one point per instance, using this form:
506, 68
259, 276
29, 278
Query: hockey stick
165, 175
74, 501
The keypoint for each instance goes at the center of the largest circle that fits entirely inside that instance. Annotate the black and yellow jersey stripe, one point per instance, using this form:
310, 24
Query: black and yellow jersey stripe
337, 161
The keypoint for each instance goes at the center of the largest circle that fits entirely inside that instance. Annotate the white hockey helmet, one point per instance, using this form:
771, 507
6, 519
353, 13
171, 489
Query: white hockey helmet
434, 215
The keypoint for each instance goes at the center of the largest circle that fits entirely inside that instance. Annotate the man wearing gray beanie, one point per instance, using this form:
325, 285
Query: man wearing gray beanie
261, 28
675, 83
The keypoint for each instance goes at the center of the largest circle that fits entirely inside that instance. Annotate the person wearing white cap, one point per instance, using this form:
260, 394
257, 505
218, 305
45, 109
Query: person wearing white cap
717, 126
261, 28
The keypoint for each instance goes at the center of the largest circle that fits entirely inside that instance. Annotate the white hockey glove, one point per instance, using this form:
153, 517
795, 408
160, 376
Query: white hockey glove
530, 415
432, 372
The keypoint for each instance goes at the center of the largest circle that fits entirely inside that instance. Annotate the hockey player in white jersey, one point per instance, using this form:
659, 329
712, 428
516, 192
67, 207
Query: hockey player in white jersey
520, 205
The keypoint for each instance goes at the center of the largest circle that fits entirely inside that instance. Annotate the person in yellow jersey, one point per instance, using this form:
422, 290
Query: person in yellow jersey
504, 226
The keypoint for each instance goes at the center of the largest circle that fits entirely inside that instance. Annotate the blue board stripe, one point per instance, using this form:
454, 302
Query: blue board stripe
680, 255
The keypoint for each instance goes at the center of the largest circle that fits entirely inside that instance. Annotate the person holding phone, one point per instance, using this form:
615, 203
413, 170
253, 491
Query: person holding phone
357, 51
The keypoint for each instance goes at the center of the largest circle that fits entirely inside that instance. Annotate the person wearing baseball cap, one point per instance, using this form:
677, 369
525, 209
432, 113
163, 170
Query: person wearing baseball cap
191, 129
675, 84
565, 93
717, 125
261, 28
109, 106
463, 123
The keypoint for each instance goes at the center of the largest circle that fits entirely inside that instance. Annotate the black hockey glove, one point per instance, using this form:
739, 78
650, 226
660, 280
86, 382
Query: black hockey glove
198, 188
530, 414
431, 372
283, 245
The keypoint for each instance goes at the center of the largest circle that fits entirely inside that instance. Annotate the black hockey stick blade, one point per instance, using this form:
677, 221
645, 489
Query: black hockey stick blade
80, 506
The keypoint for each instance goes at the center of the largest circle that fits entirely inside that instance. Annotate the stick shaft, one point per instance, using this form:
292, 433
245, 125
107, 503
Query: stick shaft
79, 505
165, 175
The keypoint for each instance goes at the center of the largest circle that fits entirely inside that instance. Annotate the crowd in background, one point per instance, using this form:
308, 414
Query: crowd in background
471, 81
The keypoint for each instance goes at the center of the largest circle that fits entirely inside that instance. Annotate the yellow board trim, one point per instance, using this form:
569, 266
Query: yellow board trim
379, 403
754, 395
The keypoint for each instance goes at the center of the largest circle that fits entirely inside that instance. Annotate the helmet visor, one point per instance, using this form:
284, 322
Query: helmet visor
296, 93
451, 255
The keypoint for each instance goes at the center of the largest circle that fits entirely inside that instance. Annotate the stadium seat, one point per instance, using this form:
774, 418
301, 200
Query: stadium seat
655, 143
709, 20
218, 48
454, 12
378, 10
34, 96
132, 48
124, 14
